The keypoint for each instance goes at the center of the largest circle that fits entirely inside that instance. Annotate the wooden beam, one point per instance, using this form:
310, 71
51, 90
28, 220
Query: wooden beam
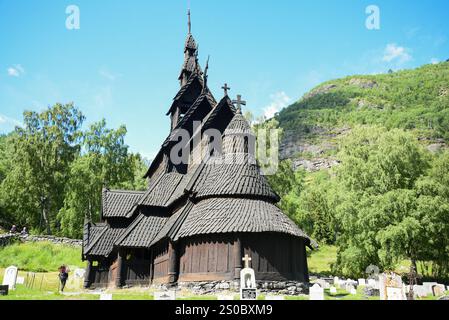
172, 262
118, 279
88, 272
237, 257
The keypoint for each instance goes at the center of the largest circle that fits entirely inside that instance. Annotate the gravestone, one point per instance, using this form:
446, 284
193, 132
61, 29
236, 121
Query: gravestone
420, 291
323, 283
165, 295
428, 286
349, 287
333, 290
438, 290
353, 291
248, 289
316, 292
79, 273
10, 277
373, 283
4, 290
106, 296
336, 280
394, 293
362, 282
391, 287
20, 280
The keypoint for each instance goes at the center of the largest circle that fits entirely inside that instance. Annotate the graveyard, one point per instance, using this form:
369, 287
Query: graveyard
35, 280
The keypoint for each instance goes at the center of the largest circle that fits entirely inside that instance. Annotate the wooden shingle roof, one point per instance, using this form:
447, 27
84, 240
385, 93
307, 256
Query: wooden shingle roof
238, 178
118, 203
92, 234
230, 215
142, 231
206, 95
164, 189
173, 224
104, 244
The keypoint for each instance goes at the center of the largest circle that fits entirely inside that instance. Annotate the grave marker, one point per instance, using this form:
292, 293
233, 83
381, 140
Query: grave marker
105, 296
10, 277
165, 295
316, 292
248, 289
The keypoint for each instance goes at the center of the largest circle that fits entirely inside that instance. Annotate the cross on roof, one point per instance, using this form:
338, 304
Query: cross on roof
226, 88
239, 102
247, 259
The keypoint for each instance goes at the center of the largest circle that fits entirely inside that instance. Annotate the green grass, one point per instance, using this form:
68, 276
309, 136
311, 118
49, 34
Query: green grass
321, 260
40, 256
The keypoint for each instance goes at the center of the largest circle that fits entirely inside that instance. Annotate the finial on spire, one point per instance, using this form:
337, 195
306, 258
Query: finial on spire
226, 88
239, 102
190, 22
205, 72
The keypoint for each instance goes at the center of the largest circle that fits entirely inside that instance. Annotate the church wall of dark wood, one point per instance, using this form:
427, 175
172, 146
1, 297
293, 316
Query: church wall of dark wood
136, 269
161, 263
206, 258
99, 274
276, 257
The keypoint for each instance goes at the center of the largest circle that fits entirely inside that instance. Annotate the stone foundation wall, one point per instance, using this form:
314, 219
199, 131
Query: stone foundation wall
216, 287
7, 239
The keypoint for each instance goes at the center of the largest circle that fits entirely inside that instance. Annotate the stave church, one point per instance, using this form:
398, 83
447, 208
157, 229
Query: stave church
200, 217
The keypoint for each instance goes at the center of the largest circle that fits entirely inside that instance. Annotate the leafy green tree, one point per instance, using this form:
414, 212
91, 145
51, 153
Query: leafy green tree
378, 214
316, 214
42, 152
105, 163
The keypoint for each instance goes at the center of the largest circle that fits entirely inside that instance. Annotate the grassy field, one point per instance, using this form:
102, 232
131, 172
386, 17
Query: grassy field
40, 256
321, 260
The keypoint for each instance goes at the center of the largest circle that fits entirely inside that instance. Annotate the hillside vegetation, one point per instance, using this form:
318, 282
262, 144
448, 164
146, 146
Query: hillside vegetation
410, 99
367, 170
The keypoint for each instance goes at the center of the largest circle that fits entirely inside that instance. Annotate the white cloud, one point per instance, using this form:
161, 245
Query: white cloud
394, 52
4, 120
279, 100
108, 75
16, 70
434, 61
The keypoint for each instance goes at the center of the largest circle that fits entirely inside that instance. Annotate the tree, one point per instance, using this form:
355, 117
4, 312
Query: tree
105, 163
316, 214
378, 212
42, 152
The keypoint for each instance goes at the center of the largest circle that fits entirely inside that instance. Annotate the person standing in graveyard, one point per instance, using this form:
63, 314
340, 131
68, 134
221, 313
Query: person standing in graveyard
13, 229
24, 232
63, 276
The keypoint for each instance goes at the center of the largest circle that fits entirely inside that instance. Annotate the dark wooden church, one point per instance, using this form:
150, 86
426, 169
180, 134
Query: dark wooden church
199, 217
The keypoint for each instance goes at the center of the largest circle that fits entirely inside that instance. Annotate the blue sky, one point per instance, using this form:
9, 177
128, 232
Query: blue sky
123, 62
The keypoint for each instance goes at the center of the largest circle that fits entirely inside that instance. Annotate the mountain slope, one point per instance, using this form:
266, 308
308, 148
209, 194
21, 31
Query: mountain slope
416, 100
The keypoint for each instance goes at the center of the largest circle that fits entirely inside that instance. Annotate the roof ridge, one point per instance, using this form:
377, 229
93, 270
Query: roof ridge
124, 191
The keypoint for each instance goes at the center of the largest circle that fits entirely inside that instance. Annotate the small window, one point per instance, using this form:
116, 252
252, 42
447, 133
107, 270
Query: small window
95, 263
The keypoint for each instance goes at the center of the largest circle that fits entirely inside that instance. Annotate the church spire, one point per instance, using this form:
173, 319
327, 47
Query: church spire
190, 22
190, 64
